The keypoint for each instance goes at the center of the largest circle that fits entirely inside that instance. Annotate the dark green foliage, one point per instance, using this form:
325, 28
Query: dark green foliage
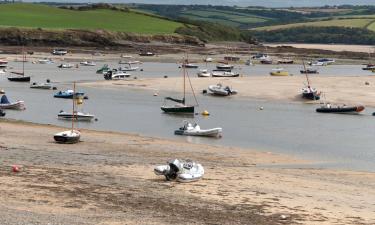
328, 35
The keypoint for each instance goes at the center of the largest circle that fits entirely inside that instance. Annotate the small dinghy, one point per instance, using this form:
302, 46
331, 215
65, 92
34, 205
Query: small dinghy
128, 68
309, 70
195, 130
116, 75
328, 108
226, 67
279, 72
6, 104
46, 85
87, 63
221, 90
67, 94
67, 137
45, 61
204, 73
221, 73
180, 170
189, 66
65, 66
78, 116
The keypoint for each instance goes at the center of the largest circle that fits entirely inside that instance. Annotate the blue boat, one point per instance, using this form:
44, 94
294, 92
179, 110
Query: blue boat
68, 94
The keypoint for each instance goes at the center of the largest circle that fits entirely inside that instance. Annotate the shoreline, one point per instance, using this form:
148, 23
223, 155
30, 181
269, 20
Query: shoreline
110, 173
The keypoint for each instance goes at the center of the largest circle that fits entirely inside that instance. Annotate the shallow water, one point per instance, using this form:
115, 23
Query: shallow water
343, 141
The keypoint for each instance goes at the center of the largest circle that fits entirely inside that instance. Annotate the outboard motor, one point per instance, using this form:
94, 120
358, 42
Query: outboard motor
172, 173
108, 75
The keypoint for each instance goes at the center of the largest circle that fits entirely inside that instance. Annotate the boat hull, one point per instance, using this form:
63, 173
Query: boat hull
311, 96
279, 74
16, 105
66, 140
19, 79
180, 109
215, 132
350, 110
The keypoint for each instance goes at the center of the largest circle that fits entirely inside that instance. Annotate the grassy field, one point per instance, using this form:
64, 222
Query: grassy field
42, 16
359, 23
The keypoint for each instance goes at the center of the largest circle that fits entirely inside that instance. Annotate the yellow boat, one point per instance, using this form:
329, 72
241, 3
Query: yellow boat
279, 72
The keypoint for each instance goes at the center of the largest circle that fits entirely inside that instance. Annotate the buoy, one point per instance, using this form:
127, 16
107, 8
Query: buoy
155, 94
204, 91
367, 83
205, 113
165, 76
135, 78
261, 108
96, 119
86, 97
141, 69
15, 168
54, 88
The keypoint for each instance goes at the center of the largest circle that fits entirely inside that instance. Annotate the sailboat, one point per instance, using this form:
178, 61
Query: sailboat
181, 107
70, 136
308, 92
20, 77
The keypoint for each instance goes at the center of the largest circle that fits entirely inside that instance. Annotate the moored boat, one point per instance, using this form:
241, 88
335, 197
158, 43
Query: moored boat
328, 108
67, 137
279, 72
6, 104
226, 67
65, 66
78, 116
87, 63
285, 61
204, 73
190, 129
309, 70
180, 170
116, 75
68, 94
221, 90
45, 61
190, 66
146, 54
224, 73
46, 85
103, 69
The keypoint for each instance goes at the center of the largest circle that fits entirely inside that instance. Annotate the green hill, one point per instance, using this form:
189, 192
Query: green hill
28, 15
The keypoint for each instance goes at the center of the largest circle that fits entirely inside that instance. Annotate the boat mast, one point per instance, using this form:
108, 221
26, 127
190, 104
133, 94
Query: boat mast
23, 61
74, 98
307, 77
184, 71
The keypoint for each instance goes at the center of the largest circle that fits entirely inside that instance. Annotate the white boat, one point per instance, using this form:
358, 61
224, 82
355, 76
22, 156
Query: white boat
126, 56
87, 63
65, 66
221, 90
195, 130
128, 68
67, 137
78, 116
5, 104
317, 63
189, 65
46, 85
180, 170
204, 73
59, 52
220, 73
45, 61
208, 59
224, 67
116, 75
129, 62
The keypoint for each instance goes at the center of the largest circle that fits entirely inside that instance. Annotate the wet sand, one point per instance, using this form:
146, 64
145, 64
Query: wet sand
339, 90
108, 179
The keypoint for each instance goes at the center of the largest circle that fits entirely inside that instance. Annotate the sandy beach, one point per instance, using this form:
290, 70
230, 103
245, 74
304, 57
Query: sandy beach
338, 90
108, 179
333, 47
